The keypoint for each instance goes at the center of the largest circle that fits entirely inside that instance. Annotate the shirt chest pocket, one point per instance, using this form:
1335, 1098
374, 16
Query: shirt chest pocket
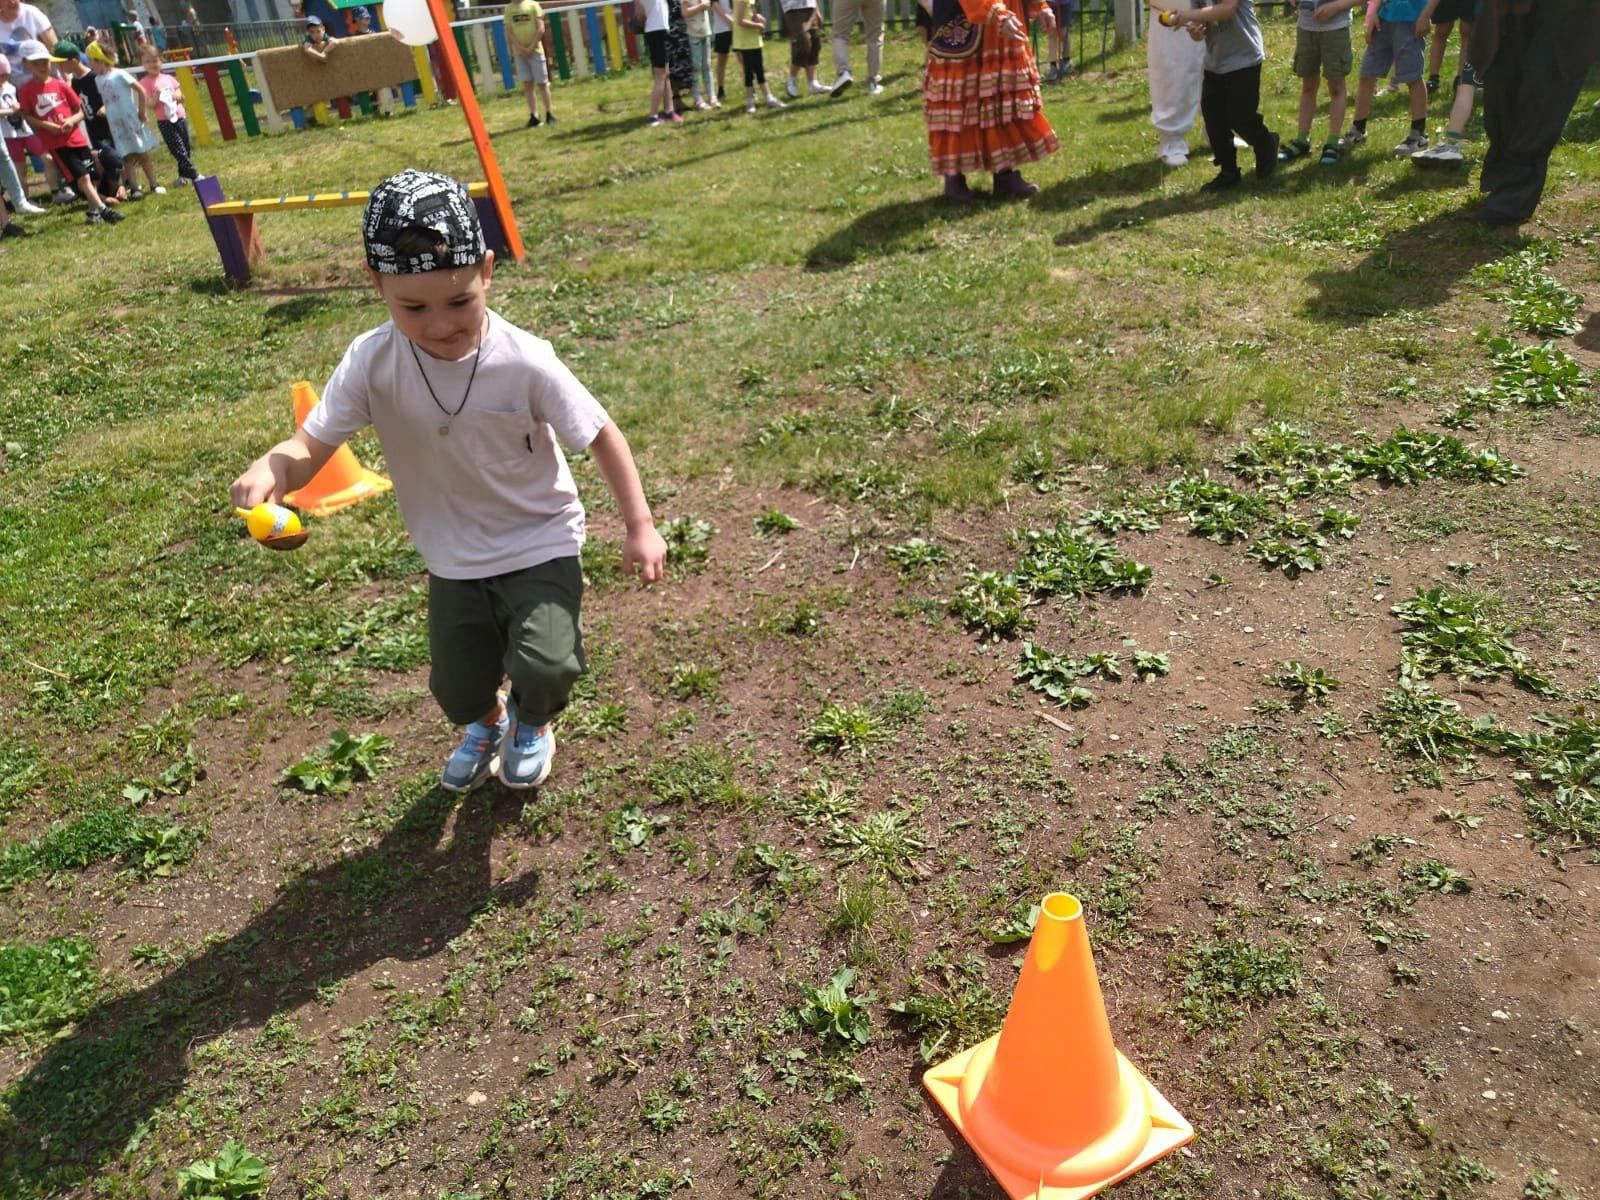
494, 438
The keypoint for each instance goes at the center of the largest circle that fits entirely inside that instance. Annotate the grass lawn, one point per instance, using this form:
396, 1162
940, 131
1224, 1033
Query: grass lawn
1229, 563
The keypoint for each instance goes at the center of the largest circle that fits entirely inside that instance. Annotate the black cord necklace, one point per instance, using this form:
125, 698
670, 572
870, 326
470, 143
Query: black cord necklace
449, 416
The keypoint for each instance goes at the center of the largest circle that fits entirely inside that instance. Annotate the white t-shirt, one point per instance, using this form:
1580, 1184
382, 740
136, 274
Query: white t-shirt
8, 100
26, 26
494, 494
796, 5
655, 15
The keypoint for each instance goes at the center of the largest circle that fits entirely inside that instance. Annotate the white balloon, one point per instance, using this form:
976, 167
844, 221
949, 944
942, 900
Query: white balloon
410, 21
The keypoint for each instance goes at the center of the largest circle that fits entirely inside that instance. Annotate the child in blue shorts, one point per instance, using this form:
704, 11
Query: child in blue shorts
1061, 41
1397, 32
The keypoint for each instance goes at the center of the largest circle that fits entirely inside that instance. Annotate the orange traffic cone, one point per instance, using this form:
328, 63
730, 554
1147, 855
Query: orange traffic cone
342, 482
1049, 1104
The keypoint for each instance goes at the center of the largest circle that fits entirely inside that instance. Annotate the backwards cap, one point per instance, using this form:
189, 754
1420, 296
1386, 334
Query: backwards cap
433, 202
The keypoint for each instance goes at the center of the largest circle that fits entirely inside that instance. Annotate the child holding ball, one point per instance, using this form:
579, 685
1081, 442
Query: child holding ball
473, 414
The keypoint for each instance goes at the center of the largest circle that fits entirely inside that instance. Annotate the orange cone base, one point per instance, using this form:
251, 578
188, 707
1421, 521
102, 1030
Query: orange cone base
367, 484
1149, 1128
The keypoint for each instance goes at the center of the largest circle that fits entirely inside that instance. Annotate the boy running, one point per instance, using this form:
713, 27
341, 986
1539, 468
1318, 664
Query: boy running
472, 413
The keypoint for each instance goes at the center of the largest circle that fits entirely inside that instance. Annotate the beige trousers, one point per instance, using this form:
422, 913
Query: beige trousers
845, 15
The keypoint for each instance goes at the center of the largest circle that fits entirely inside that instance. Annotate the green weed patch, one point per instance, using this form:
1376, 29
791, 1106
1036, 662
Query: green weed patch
44, 987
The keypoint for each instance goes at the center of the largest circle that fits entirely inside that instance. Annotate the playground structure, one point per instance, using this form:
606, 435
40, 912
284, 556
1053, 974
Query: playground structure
227, 96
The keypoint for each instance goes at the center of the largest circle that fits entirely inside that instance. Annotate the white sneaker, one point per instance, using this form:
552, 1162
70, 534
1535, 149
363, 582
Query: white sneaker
1445, 152
874, 87
29, 209
158, 190
1173, 150
794, 92
1352, 137
1414, 142
819, 89
750, 106
841, 84
63, 196
774, 102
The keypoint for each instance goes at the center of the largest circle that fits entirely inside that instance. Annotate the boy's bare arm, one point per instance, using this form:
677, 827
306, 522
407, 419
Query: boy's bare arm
642, 549
287, 466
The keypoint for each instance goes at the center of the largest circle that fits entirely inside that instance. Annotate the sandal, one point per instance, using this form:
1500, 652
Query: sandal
1298, 148
1330, 154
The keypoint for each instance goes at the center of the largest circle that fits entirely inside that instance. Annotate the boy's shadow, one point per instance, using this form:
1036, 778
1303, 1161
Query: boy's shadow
405, 897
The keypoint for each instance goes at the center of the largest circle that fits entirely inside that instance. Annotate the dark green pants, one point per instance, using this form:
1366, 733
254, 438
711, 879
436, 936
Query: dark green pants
524, 625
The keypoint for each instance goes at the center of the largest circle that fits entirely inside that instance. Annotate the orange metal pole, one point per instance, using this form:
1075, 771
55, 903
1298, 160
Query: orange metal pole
468, 99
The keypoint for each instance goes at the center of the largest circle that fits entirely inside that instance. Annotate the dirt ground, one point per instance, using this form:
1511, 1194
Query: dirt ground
388, 994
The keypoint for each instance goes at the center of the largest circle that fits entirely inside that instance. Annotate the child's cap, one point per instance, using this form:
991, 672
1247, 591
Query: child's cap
422, 200
66, 51
313, 19
98, 52
33, 52
363, 13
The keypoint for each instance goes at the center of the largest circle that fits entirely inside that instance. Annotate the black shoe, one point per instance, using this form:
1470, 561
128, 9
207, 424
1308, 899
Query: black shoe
1011, 185
549, 119
722, 93
1267, 156
110, 216
1224, 182
533, 121
1433, 84
12, 229
1496, 220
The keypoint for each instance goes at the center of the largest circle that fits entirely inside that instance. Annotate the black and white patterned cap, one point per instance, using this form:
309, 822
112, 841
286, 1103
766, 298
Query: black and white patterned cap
435, 202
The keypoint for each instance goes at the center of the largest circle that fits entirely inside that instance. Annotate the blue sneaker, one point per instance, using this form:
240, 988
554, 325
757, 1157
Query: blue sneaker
474, 759
529, 749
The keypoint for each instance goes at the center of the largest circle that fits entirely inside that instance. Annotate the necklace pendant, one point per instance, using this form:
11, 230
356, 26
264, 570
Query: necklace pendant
444, 429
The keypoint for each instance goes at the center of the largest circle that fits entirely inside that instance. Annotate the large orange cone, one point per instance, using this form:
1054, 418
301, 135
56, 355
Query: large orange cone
342, 482
1049, 1104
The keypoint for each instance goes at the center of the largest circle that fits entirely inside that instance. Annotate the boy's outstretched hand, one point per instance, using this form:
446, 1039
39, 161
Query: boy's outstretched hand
644, 553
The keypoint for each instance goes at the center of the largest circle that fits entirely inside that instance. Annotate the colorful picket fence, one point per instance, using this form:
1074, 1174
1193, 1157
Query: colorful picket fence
582, 39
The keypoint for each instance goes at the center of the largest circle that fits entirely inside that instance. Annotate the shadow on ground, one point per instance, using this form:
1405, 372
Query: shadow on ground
891, 229
403, 898
1412, 268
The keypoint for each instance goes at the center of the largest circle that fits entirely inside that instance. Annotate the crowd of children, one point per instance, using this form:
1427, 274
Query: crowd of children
1397, 47
91, 125
90, 120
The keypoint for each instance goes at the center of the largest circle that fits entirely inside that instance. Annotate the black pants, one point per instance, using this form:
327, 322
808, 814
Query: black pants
176, 136
109, 178
1525, 108
755, 70
1231, 104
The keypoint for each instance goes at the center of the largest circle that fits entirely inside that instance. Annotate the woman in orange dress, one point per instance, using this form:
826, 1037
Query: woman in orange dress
980, 95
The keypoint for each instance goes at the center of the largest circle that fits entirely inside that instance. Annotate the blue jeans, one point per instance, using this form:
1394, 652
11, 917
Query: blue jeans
700, 56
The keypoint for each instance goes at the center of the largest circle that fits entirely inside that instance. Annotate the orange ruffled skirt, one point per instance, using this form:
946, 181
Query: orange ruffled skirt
984, 112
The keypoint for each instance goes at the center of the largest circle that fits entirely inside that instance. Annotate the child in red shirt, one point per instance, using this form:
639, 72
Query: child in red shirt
57, 117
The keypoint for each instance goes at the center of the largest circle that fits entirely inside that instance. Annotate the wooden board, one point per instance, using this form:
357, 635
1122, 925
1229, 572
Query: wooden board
355, 64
